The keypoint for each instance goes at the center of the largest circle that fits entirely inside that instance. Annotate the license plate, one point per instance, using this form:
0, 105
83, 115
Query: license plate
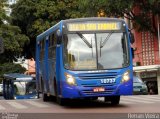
99, 89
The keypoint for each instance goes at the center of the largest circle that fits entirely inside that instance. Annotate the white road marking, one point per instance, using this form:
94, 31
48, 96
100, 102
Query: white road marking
144, 98
151, 96
37, 104
126, 102
2, 108
137, 101
17, 105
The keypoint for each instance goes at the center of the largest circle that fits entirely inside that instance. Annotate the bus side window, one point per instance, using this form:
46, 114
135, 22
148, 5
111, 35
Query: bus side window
43, 44
47, 42
42, 50
39, 45
50, 40
49, 45
58, 36
52, 48
53, 39
54, 45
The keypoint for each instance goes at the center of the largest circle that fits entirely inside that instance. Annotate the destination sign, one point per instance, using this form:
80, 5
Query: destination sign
94, 26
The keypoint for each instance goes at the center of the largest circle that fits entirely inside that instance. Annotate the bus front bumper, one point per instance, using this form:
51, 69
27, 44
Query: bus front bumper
72, 92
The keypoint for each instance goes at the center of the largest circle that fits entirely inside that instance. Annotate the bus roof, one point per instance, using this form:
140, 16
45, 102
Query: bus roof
92, 19
56, 26
17, 76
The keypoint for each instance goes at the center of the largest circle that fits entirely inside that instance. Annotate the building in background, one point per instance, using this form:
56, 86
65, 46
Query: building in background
28, 64
147, 54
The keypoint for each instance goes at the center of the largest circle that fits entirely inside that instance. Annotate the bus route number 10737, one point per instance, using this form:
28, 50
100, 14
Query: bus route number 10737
108, 81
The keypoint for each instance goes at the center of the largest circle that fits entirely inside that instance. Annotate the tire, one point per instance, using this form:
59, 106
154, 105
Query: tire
94, 98
91, 98
113, 99
61, 101
45, 97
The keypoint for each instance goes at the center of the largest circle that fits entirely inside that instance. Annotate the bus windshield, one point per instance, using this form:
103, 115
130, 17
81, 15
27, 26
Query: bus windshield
95, 51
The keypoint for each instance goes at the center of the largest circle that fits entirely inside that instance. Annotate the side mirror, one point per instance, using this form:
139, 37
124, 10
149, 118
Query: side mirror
59, 38
132, 50
132, 40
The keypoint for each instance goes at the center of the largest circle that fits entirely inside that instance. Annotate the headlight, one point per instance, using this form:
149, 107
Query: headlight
15, 97
126, 76
70, 79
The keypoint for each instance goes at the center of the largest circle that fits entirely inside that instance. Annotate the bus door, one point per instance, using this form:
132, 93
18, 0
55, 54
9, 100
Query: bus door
46, 77
41, 65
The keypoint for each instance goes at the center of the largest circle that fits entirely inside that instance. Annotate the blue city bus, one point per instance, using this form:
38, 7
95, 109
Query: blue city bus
19, 86
85, 58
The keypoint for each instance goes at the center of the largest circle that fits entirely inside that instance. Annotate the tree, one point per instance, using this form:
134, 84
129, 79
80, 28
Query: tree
10, 68
35, 16
2, 11
124, 8
13, 40
1, 46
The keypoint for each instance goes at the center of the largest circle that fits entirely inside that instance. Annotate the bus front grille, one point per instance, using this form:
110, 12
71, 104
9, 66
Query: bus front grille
91, 93
89, 76
95, 85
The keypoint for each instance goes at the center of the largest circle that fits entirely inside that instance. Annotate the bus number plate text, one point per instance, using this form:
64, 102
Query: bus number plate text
108, 81
98, 89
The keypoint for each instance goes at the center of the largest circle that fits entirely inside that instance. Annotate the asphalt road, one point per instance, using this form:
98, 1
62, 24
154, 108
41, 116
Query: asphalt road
128, 105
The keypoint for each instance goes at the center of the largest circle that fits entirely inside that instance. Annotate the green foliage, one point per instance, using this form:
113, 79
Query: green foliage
11, 35
124, 8
10, 68
13, 42
35, 16
3, 16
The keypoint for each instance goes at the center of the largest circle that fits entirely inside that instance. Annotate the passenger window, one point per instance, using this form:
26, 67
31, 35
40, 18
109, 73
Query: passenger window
53, 39
50, 41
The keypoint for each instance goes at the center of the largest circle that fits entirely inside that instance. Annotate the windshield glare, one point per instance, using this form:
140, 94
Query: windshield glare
95, 51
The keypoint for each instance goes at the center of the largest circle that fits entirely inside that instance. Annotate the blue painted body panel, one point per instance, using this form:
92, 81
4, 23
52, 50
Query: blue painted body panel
31, 96
84, 87
86, 82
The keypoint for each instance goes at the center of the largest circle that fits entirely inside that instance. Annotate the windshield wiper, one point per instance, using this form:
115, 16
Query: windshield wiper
104, 42
84, 39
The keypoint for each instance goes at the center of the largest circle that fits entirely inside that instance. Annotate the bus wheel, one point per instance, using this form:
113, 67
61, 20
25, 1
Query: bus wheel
113, 99
61, 101
45, 97
94, 98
